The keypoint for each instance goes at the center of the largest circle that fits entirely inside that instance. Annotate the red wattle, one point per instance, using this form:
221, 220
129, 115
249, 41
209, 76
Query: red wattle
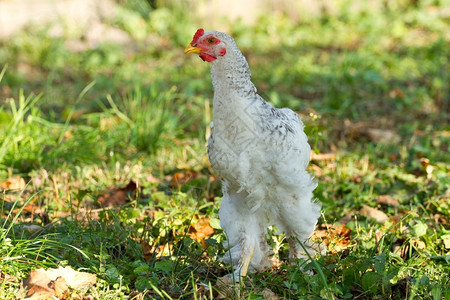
207, 57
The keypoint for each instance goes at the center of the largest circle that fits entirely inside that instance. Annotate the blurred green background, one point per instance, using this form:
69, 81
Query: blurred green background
384, 63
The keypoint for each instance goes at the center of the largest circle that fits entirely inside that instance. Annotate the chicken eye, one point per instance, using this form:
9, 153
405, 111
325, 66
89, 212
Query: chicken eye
211, 40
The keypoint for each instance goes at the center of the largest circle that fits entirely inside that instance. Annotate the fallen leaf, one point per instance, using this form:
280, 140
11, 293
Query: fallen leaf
36, 291
152, 179
201, 230
146, 250
59, 285
382, 135
269, 295
75, 279
150, 251
322, 156
345, 219
396, 94
113, 198
183, 177
387, 200
427, 167
434, 133
356, 179
108, 123
7, 277
47, 284
394, 156
117, 196
419, 244
13, 183
32, 207
378, 235
316, 170
401, 248
373, 213
440, 219
360, 130
68, 134
336, 238
395, 219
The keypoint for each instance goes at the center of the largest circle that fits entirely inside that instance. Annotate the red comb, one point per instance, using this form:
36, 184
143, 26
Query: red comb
197, 35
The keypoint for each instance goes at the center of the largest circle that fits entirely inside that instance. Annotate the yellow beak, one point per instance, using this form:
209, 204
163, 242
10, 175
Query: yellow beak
191, 49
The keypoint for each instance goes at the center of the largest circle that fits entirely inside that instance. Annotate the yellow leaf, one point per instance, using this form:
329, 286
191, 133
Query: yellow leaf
47, 284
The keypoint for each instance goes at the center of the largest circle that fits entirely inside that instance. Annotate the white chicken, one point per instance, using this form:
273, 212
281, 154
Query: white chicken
261, 153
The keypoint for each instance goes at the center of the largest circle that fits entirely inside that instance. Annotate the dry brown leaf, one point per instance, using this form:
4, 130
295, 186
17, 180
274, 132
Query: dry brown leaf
118, 196
68, 134
75, 279
336, 238
393, 156
59, 285
322, 156
440, 219
316, 170
401, 248
147, 250
13, 183
150, 251
152, 179
7, 277
346, 219
382, 135
427, 167
32, 207
183, 177
396, 94
361, 130
269, 295
113, 198
108, 123
47, 284
37, 292
378, 235
395, 219
419, 244
434, 133
387, 200
373, 213
201, 230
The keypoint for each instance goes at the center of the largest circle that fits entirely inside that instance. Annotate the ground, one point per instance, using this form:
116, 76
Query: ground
103, 164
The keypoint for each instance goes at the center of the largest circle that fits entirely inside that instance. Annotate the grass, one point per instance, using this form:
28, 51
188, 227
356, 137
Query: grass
81, 126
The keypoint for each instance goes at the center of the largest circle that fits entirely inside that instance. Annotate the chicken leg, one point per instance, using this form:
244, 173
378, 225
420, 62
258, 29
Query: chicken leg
248, 249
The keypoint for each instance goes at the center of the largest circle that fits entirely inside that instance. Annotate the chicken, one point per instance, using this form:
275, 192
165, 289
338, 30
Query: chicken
261, 153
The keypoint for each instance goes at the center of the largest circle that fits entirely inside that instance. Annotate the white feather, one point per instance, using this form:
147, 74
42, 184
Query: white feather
261, 153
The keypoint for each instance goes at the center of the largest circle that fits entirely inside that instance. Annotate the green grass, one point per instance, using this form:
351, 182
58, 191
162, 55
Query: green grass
77, 125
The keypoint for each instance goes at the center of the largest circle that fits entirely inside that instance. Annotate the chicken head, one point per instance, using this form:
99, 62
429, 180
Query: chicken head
208, 45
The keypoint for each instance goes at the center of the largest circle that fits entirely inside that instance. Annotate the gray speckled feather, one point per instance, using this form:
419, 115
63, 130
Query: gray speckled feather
261, 152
